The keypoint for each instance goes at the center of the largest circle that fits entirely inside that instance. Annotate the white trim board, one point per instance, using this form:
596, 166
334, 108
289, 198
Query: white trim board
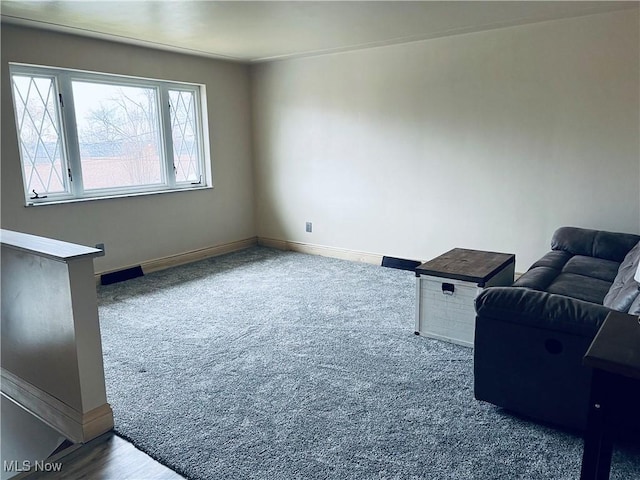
333, 252
312, 249
73, 424
216, 250
188, 257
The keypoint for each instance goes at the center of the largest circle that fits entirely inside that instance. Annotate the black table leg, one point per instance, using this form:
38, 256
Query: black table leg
598, 440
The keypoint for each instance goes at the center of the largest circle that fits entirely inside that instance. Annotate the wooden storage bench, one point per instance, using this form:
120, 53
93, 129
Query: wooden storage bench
447, 286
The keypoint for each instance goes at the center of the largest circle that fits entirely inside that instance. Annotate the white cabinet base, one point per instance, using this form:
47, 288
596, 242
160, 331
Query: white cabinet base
445, 308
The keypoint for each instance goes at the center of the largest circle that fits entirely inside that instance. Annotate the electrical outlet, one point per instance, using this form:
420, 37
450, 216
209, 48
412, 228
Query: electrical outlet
309, 227
100, 246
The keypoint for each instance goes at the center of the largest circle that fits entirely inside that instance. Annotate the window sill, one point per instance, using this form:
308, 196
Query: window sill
119, 195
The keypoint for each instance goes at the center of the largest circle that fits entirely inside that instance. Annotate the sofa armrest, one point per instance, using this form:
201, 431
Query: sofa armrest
541, 309
594, 243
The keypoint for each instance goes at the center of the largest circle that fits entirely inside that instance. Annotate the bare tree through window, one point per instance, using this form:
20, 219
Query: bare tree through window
118, 134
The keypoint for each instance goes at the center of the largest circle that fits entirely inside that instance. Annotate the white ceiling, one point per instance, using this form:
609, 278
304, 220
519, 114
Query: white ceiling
251, 31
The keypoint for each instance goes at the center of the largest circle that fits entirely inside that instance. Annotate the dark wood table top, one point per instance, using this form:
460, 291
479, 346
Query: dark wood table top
616, 346
467, 265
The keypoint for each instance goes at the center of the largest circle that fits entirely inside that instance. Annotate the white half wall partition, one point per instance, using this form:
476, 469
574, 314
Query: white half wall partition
51, 347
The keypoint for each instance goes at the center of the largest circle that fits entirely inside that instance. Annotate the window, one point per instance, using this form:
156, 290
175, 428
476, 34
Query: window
90, 135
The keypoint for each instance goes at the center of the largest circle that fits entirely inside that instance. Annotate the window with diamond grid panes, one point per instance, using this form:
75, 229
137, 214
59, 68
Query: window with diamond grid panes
90, 135
185, 138
39, 132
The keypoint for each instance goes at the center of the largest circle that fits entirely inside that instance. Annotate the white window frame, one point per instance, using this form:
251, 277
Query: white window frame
71, 161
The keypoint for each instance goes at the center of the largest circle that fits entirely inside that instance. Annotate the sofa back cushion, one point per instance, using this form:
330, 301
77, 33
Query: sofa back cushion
624, 290
593, 243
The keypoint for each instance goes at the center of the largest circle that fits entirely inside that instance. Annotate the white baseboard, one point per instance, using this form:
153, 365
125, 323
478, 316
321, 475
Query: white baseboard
196, 255
188, 257
325, 251
77, 426
213, 251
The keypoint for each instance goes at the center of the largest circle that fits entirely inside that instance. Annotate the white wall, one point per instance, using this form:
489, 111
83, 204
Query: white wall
138, 229
488, 140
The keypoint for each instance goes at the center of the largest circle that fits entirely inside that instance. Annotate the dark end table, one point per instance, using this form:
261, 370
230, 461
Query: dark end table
614, 356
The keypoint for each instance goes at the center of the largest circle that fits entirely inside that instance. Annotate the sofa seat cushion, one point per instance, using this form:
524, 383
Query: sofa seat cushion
555, 259
544, 271
581, 287
538, 278
624, 290
578, 276
592, 267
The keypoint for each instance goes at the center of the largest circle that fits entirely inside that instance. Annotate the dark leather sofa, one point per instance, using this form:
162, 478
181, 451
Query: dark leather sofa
531, 337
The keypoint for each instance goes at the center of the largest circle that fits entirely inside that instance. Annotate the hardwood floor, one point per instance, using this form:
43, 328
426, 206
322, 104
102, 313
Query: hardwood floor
108, 457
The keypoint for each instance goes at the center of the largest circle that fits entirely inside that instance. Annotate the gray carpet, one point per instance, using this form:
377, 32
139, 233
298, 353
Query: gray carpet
267, 364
